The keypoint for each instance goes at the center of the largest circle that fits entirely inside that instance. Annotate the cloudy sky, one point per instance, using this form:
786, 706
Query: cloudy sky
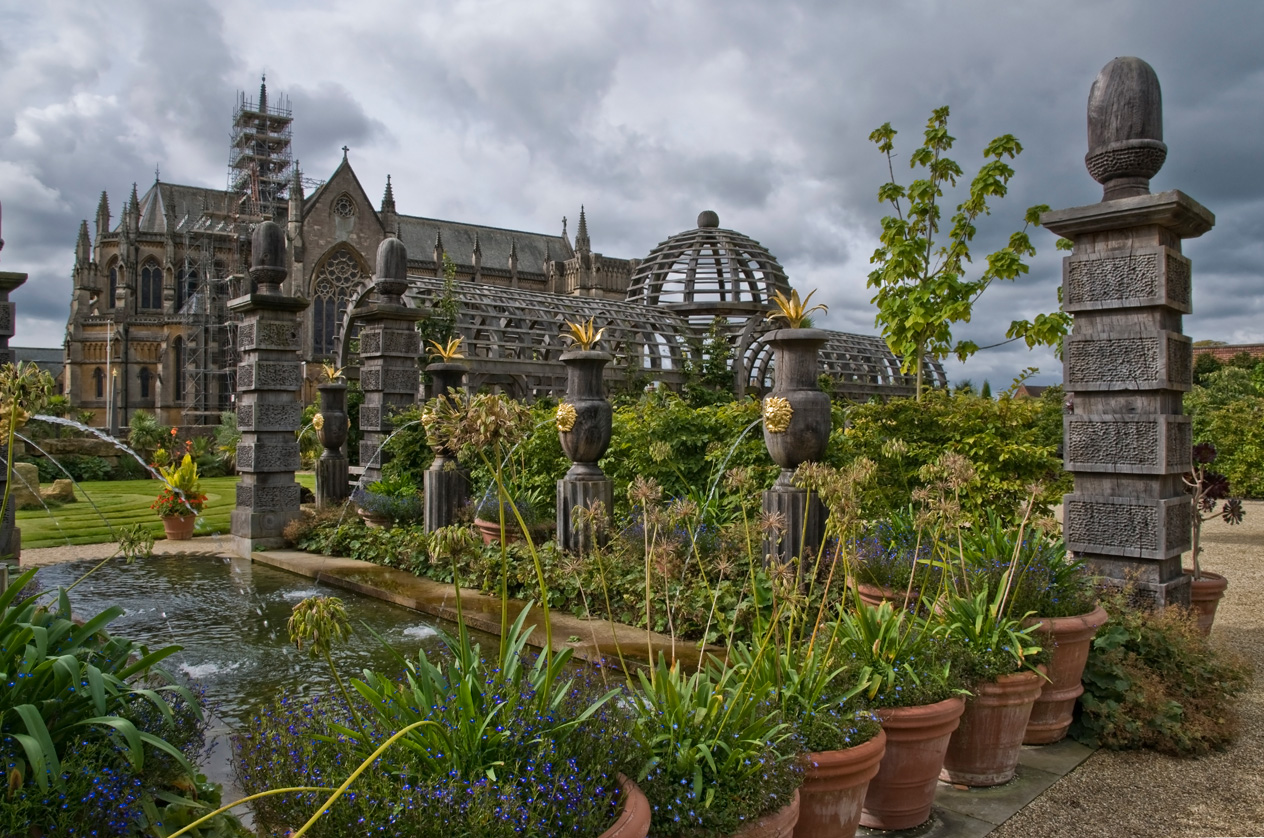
515, 112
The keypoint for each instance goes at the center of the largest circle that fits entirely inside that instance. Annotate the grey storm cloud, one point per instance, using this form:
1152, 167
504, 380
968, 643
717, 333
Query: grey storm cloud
514, 114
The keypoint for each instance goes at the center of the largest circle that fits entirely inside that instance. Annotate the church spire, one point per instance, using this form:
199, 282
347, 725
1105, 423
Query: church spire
513, 262
133, 211
263, 94
477, 258
83, 247
582, 245
103, 215
438, 253
296, 184
388, 197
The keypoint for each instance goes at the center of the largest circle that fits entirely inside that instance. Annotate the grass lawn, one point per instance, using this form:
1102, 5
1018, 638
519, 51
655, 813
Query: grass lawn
121, 503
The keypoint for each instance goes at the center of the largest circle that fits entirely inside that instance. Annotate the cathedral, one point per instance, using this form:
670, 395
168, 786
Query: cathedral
149, 327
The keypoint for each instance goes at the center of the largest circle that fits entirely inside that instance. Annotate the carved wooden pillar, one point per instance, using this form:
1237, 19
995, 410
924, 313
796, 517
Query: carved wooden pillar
1126, 363
269, 399
389, 349
10, 535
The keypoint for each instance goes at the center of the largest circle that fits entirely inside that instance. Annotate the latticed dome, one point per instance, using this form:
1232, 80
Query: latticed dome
709, 271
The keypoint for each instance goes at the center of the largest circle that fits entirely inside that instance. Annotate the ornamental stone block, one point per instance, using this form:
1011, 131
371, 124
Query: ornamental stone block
269, 417
1128, 444
1146, 276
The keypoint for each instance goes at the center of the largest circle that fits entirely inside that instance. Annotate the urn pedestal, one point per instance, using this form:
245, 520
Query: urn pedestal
796, 430
584, 421
332, 486
446, 485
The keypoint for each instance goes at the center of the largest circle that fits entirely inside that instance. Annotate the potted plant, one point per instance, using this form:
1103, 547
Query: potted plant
489, 512
389, 501
996, 655
716, 755
902, 676
181, 499
893, 561
1205, 488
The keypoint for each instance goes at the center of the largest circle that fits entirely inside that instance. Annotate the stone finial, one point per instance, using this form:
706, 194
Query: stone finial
391, 277
388, 197
708, 218
83, 246
267, 247
1125, 128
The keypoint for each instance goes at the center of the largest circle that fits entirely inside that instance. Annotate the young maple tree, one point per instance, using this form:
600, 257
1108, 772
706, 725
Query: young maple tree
921, 282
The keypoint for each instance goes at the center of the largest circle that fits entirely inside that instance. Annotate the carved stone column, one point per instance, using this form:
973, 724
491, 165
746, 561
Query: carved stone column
269, 399
584, 427
10, 535
389, 349
331, 468
1126, 363
800, 438
446, 484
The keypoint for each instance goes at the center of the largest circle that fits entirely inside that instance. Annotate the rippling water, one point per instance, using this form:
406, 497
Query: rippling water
229, 615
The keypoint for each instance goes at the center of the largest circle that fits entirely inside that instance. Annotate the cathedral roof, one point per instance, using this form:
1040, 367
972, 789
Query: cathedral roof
419, 234
184, 206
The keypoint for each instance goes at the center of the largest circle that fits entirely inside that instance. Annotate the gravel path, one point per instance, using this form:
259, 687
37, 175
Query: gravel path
1118, 794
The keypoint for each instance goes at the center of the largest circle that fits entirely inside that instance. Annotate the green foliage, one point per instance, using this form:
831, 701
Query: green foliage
77, 467
708, 378
227, 436
1228, 410
1008, 441
716, 754
683, 448
986, 642
355, 399
81, 709
1152, 681
408, 451
146, 434
920, 278
891, 658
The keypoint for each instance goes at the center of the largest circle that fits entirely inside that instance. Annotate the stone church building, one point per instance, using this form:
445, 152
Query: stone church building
149, 328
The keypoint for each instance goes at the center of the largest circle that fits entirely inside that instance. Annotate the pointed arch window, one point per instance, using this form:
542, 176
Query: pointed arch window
150, 285
98, 381
109, 303
177, 363
338, 275
146, 379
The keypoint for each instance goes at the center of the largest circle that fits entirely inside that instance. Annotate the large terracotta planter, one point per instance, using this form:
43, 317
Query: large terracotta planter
901, 793
985, 747
875, 595
490, 531
778, 824
1205, 594
834, 786
634, 813
1068, 639
179, 527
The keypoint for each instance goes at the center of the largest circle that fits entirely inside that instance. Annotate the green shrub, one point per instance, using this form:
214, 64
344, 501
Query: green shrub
1009, 441
1228, 411
1152, 681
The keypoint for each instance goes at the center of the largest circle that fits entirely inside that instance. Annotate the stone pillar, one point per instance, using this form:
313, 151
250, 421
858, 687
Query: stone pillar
796, 430
584, 426
269, 399
446, 484
10, 535
389, 349
331, 469
1126, 363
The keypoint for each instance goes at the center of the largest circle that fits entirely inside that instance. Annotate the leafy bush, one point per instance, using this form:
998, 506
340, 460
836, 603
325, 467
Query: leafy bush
1152, 681
396, 498
78, 467
1007, 440
1228, 410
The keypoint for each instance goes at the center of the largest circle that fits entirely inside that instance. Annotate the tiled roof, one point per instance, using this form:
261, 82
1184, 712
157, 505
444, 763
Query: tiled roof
418, 235
185, 206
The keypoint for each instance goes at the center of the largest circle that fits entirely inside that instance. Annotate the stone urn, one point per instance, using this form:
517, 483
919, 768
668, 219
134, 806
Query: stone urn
446, 486
800, 434
332, 427
588, 436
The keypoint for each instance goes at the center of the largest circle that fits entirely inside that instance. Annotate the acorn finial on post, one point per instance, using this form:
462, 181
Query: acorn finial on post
1125, 128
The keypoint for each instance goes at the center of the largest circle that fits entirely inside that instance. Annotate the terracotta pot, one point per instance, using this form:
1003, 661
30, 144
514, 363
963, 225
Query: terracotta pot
834, 786
490, 531
372, 520
984, 749
1069, 639
634, 813
1205, 594
179, 527
778, 824
901, 793
875, 595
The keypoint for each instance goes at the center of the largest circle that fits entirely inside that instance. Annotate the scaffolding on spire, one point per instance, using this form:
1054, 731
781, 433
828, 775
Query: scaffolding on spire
260, 155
